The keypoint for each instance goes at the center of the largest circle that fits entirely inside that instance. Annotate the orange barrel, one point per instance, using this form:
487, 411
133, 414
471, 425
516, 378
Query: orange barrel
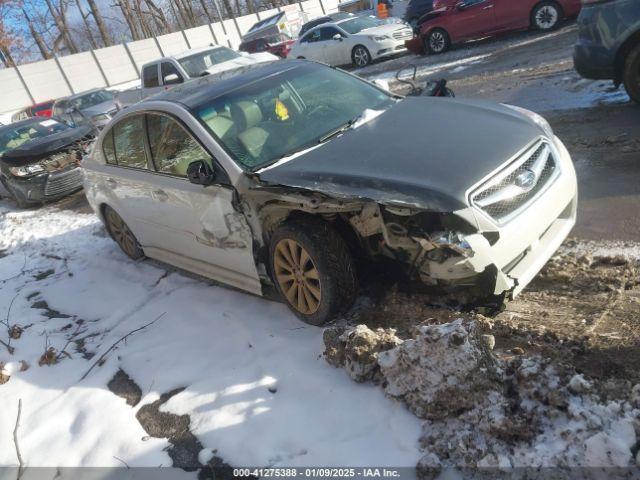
383, 12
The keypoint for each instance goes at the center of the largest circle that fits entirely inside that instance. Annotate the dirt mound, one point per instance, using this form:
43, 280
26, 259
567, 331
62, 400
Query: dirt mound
483, 409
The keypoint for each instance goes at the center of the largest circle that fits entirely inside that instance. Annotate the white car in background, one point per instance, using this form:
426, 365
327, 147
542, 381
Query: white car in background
166, 72
356, 40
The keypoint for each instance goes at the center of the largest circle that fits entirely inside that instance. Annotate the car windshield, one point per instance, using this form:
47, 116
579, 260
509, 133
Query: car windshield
14, 136
197, 63
91, 99
356, 25
284, 113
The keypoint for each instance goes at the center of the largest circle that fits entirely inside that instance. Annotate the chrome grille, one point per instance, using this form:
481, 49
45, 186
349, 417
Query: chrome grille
59, 183
514, 188
403, 34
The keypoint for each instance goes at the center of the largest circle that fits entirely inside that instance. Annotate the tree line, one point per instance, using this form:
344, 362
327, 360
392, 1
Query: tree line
39, 29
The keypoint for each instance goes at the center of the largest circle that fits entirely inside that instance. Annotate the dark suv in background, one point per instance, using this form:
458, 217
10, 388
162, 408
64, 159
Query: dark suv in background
609, 43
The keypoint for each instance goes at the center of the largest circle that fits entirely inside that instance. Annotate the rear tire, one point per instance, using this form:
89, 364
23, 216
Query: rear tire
360, 56
313, 270
122, 235
546, 16
437, 41
632, 74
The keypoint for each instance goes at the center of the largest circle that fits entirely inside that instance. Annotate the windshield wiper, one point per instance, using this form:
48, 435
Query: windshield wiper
339, 130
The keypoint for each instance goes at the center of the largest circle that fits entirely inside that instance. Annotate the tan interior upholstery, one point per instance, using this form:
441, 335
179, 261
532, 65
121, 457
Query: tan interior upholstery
245, 115
253, 140
221, 125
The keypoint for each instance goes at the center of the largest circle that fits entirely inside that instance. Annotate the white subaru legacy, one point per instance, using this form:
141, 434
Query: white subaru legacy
356, 40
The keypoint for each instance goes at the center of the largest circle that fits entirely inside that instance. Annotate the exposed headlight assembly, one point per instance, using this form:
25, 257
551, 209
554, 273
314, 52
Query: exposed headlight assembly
26, 171
381, 38
538, 120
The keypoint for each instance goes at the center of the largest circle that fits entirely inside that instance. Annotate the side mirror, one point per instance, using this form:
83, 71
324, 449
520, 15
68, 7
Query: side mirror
171, 79
200, 173
337, 36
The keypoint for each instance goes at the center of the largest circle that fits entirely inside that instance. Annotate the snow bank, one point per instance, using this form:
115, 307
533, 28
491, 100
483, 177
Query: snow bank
255, 385
482, 410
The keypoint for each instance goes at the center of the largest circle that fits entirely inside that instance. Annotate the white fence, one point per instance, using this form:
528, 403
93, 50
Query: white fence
106, 67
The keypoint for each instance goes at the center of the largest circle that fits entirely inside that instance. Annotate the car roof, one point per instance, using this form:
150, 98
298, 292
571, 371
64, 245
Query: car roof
81, 94
199, 90
194, 51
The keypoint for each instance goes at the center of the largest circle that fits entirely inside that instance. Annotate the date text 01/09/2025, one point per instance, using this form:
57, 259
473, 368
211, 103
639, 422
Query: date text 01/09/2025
292, 472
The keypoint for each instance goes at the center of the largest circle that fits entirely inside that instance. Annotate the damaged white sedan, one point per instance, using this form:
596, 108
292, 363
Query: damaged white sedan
284, 173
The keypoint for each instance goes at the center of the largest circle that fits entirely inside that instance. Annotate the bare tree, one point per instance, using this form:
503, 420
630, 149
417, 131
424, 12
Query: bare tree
37, 37
97, 17
87, 27
58, 12
7, 38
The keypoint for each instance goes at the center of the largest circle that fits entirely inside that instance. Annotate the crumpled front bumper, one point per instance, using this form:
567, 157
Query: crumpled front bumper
524, 244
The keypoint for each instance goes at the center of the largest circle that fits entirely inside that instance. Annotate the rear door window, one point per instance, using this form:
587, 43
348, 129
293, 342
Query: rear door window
150, 76
172, 147
129, 142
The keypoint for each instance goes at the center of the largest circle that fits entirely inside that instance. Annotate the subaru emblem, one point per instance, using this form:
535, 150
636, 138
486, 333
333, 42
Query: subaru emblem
526, 180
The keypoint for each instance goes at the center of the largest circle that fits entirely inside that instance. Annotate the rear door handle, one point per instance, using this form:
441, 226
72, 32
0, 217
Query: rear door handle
111, 182
161, 195
488, 7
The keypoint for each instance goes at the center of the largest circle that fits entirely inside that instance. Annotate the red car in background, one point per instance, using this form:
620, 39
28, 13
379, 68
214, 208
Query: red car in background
455, 21
43, 109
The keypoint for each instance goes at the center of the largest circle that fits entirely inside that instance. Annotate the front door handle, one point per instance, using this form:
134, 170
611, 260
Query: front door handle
161, 195
111, 182
488, 7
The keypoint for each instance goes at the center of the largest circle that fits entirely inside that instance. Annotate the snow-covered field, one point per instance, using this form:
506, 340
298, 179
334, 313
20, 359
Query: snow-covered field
257, 388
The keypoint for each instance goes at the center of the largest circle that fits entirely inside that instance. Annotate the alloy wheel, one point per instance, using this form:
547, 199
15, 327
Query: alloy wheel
121, 233
547, 17
361, 57
437, 42
297, 276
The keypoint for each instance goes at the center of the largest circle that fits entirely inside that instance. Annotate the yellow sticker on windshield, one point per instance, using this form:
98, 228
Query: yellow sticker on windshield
282, 112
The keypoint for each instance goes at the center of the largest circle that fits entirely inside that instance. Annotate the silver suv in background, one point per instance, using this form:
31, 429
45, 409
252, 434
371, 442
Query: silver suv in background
96, 107
284, 173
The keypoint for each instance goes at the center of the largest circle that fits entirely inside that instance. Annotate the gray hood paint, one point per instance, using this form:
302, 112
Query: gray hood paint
423, 151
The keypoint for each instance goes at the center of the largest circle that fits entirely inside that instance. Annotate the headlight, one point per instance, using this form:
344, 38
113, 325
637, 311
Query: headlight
26, 171
381, 38
540, 121
100, 118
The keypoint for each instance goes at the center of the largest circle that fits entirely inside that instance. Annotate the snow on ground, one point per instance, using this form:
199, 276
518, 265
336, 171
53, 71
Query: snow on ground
257, 389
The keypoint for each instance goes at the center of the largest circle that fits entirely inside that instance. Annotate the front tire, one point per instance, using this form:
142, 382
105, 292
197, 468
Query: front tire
437, 41
122, 235
360, 56
632, 74
313, 270
546, 16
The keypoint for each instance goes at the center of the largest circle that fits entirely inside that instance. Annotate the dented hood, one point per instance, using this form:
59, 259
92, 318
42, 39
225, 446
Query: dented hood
423, 151
35, 150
